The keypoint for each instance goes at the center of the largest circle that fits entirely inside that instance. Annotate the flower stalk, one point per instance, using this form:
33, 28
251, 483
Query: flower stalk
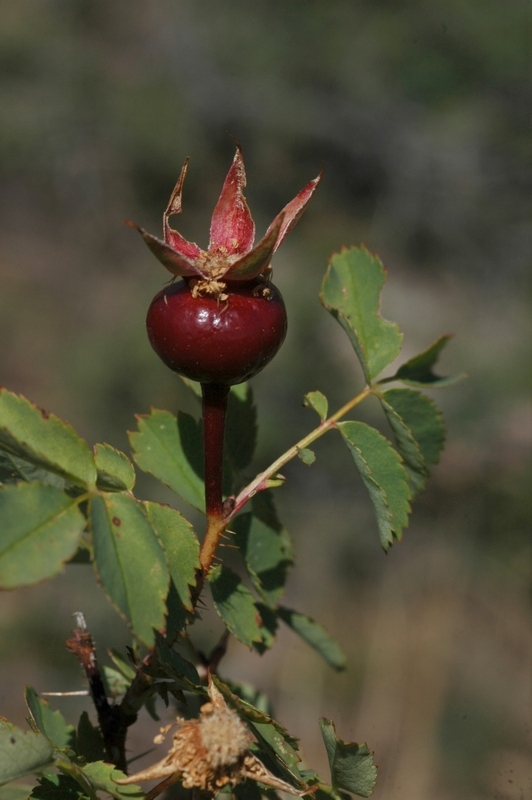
214, 404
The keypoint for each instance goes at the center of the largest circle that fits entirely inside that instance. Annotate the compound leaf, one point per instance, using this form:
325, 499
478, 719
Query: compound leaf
171, 450
50, 723
384, 476
351, 764
22, 752
265, 547
418, 371
418, 429
235, 604
351, 292
115, 471
44, 440
41, 528
130, 562
314, 635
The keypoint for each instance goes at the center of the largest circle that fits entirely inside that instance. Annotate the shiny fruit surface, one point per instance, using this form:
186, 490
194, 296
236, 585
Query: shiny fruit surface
226, 339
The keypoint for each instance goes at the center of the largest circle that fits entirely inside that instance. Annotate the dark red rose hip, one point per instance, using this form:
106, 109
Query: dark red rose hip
224, 340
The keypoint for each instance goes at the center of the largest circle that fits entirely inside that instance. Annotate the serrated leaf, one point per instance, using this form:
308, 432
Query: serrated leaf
418, 371
383, 475
130, 563
181, 546
89, 740
14, 470
315, 635
318, 402
240, 427
115, 471
250, 694
268, 626
51, 724
278, 747
351, 292
101, 775
351, 764
235, 605
58, 787
41, 528
171, 664
44, 440
265, 547
171, 450
22, 752
15, 791
418, 429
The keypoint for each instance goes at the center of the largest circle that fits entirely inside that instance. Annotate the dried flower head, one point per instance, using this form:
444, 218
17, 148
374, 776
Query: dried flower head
209, 753
231, 255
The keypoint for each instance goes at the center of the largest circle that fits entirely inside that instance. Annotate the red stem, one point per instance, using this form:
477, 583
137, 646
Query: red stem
214, 409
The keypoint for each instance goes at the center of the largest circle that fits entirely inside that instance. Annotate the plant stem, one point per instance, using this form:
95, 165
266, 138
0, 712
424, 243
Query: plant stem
261, 481
214, 396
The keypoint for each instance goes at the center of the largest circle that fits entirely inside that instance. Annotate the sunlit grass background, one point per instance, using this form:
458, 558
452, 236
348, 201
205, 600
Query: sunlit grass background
419, 114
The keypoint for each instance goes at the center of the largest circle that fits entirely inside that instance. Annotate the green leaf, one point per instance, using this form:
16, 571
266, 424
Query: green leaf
235, 604
315, 635
181, 546
89, 740
130, 563
351, 764
51, 724
240, 427
123, 666
307, 456
384, 476
318, 402
280, 749
418, 429
171, 450
58, 787
115, 471
268, 624
115, 683
41, 528
418, 371
265, 546
44, 440
102, 775
171, 664
15, 791
250, 694
22, 752
14, 470
351, 292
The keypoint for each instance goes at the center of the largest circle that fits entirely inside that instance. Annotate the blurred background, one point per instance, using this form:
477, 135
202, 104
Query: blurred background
419, 113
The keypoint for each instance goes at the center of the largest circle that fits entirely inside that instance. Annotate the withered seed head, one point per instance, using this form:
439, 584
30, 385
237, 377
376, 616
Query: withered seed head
211, 752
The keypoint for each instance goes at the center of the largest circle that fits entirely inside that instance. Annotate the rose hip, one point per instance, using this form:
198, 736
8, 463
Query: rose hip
215, 340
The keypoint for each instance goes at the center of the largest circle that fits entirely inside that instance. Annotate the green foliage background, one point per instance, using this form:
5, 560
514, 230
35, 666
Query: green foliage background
418, 113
